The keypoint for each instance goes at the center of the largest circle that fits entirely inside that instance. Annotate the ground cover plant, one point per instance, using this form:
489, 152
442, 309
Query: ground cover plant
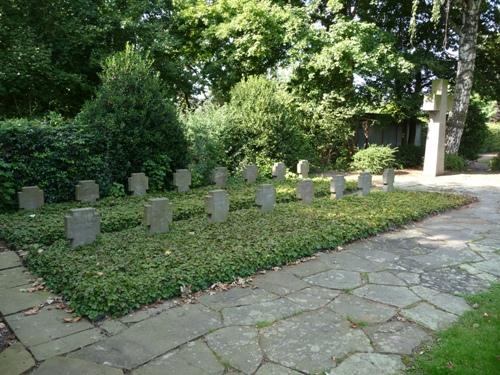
46, 225
123, 270
471, 345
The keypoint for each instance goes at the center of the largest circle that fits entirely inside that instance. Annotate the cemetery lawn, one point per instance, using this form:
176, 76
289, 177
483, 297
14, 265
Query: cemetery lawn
125, 270
472, 345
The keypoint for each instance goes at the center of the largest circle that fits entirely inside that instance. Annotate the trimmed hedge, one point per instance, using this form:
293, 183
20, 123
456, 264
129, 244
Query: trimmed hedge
125, 270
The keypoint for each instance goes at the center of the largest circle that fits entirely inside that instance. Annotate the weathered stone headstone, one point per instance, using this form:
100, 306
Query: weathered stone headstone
30, 198
82, 226
182, 179
388, 178
303, 168
158, 215
219, 176
279, 171
138, 184
266, 197
438, 103
87, 191
305, 191
337, 187
364, 183
250, 173
217, 206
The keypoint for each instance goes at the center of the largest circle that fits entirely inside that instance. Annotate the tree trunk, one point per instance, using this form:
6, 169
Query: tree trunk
465, 74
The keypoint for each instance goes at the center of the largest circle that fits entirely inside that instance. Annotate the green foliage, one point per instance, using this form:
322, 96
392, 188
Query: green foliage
127, 269
454, 163
495, 163
134, 127
374, 159
470, 346
492, 142
475, 131
409, 156
7, 186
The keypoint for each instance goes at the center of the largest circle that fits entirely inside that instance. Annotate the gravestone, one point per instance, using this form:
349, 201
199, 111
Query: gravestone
138, 184
158, 215
438, 104
217, 206
82, 226
303, 168
87, 191
266, 197
364, 183
305, 191
279, 171
388, 178
250, 173
219, 177
337, 187
30, 198
182, 179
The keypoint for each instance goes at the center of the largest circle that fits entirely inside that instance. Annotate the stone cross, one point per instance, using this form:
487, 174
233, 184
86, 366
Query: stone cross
219, 177
182, 179
388, 178
438, 104
250, 173
30, 198
303, 168
82, 226
217, 206
158, 215
364, 183
279, 171
266, 197
305, 191
138, 184
337, 187
87, 191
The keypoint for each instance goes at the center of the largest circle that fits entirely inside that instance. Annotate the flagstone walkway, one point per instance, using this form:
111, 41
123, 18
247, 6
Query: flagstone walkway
358, 310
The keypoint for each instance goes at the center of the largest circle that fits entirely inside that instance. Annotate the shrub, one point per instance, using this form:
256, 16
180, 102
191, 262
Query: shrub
455, 163
374, 159
409, 156
492, 142
495, 163
134, 126
7, 186
475, 131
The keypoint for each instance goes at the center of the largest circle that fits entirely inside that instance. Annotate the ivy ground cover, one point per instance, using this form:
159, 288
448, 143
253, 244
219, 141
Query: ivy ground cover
124, 270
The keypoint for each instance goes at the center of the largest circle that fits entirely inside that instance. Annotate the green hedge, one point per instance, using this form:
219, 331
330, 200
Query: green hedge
125, 270
492, 142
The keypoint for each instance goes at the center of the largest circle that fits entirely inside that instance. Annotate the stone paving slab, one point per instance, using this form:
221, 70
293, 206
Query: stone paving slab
147, 312
73, 366
361, 310
280, 282
313, 298
14, 277
236, 297
274, 369
260, 312
308, 268
392, 295
428, 316
446, 302
9, 259
14, 300
350, 262
15, 360
370, 364
396, 337
490, 266
336, 279
385, 278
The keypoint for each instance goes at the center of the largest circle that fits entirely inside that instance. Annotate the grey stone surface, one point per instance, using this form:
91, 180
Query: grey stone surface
364, 183
303, 168
350, 262
313, 298
30, 198
428, 316
82, 226
308, 342
489, 266
237, 346
15, 360
112, 326
274, 369
337, 187
361, 310
265, 197
308, 268
446, 257
391, 295
236, 297
138, 184
279, 171
370, 364
182, 180
195, 358
453, 280
385, 278
397, 337
87, 191
219, 177
73, 366
12, 277
14, 300
147, 312
280, 282
152, 337
9, 259
250, 173
260, 313
388, 180
158, 215
217, 206
446, 302
336, 279
305, 191
411, 278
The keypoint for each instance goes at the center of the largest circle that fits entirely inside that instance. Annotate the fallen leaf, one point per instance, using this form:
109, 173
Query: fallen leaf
77, 319
354, 325
32, 311
68, 320
450, 364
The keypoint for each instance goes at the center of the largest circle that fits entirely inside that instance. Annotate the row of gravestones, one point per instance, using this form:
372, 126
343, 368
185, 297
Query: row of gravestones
82, 225
32, 197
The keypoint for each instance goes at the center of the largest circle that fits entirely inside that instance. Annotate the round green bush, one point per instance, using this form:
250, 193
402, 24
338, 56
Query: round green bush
475, 131
495, 163
409, 156
374, 159
455, 163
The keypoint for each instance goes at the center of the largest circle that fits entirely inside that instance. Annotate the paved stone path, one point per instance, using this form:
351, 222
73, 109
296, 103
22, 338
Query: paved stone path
360, 310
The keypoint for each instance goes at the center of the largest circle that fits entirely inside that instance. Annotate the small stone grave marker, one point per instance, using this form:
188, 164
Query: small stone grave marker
388, 179
305, 191
250, 173
87, 191
303, 168
217, 206
219, 177
266, 197
82, 226
158, 215
182, 179
279, 171
30, 198
337, 187
138, 184
364, 183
